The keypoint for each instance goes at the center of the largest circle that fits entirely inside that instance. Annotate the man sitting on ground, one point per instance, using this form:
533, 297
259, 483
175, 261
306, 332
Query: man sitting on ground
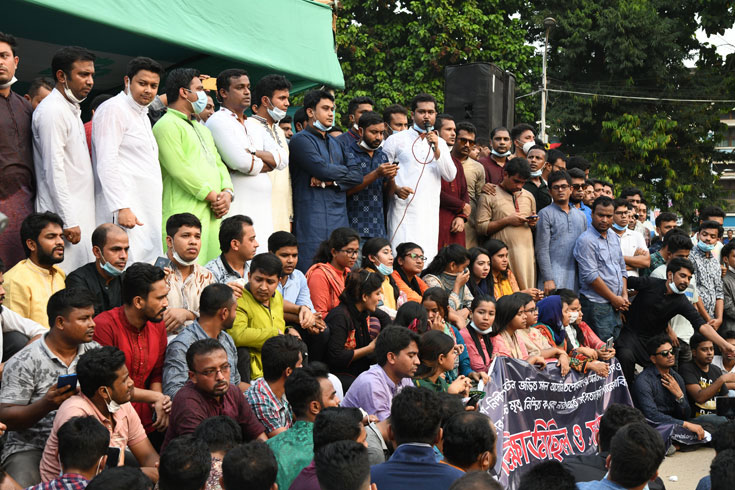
102, 277
397, 353
29, 394
184, 464
468, 442
343, 465
267, 395
238, 245
216, 315
722, 440
251, 465
221, 434
209, 393
106, 391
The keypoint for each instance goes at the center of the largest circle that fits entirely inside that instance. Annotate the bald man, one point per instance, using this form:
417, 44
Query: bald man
102, 277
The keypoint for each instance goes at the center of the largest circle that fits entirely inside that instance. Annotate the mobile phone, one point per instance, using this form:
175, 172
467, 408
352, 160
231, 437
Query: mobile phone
163, 262
396, 163
67, 380
113, 457
475, 397
609, 343
533, 216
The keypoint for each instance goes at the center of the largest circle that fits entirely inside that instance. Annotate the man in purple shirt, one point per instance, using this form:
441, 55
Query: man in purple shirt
209, 393
397, 352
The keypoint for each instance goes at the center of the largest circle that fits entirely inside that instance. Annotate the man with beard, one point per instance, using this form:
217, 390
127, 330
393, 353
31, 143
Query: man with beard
61, 158
355, 109
31, 282
447, 129
454, 206
365, 200
137, 329
209, 394
577, 197
105, 383
17, 331
125, 156
17, 187
217, 309
536, 184
395, 117
499, 153
102, 277
30, 395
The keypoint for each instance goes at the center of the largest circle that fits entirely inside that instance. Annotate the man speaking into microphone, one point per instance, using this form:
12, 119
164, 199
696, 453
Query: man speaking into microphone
424, 160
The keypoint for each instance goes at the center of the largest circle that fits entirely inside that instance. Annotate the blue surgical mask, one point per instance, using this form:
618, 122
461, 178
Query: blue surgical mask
276, 114
537, 173
501, 155
419, 129
201, 103
384, 269
109, 268
619, 227
705, 247
674, 289
321, 127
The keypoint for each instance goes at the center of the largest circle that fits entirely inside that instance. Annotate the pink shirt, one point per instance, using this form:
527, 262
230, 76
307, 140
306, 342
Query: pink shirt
128, 431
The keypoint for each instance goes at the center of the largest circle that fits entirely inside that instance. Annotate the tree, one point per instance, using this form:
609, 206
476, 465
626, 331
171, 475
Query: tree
393, 49
638, 47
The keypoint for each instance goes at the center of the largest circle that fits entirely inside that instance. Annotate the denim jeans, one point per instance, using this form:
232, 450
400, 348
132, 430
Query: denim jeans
601, 317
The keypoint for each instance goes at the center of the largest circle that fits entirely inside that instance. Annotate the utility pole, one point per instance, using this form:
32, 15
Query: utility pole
549, 23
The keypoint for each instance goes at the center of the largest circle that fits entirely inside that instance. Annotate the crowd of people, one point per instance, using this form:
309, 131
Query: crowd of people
230, 300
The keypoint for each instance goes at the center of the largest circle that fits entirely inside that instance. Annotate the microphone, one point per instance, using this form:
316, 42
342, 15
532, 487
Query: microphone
428, 127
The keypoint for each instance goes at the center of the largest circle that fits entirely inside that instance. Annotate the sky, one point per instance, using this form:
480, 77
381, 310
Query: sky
725, 43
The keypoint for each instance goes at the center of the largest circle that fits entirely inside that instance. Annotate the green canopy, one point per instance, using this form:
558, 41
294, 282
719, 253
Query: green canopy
290, 37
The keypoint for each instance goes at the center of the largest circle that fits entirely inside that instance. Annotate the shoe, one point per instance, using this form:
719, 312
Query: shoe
671, 450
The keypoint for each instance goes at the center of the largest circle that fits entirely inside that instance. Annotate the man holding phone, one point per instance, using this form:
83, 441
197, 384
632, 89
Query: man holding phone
30, 394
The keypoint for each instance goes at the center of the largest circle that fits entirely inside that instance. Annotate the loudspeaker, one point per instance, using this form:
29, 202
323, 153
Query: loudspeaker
480, 93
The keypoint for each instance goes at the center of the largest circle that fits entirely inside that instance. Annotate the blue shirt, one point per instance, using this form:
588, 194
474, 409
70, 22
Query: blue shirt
587, 212
556, 233
602, 257
175, 370
365, 208
319, 211
414, 466
603, 484
656, 402
296, 290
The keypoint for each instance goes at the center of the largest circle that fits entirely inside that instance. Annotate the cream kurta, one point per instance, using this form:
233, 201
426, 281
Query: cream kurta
128, 175
421, 222
64, 173
519, 239
281, 197
252, 187
474, 174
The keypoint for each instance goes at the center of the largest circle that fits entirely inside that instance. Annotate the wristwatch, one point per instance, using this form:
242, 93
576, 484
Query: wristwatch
680, 399
231, 193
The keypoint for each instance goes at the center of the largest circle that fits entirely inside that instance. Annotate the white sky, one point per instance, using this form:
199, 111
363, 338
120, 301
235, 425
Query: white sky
725, 43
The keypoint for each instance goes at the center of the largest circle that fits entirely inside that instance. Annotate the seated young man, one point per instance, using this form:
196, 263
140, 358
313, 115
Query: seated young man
704, 382
82, 452
17, 331
298, 309
221, 434
106, 391
251, 465
415, 421
259, 311
30, 395
184, 464
187, 279
267, 395
209, 393
343, 465
110, 247
468, 441
238, 245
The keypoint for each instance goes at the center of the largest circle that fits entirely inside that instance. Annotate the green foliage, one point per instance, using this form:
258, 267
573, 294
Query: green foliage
393, 49
638, 47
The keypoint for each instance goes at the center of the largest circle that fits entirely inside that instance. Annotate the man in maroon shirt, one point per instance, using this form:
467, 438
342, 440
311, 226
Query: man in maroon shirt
454, 204
137, 329
494, 163
209, 393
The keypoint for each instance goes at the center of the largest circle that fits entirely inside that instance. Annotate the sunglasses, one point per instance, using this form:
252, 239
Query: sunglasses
665, 353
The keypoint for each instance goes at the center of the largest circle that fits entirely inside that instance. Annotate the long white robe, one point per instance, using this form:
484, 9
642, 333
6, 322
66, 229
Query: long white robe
421, 222
128, 175
64, 173
252, 188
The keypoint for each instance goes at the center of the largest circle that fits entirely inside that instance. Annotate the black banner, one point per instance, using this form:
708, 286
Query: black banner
539, 415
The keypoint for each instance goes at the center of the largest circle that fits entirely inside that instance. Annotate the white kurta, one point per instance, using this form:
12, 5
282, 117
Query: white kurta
252, 188
128, 175
64, 173
421, 223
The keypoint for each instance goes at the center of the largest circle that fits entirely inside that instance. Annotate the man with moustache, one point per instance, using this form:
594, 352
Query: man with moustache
125, 156
576, 199
536, 184
32, 281
217, 308
522, 134
61, 158
455, 208
137, 329
209, 394
494, 163
17, 186
29, 394
17, 331
395, 117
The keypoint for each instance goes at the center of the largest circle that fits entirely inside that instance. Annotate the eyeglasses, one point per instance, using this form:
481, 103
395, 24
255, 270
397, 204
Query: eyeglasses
561, 187
224, 369
350, 252
531, 310
665, 353
417, 257
576, 187
466, 141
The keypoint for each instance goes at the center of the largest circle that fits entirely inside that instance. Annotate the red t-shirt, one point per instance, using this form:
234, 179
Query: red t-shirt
144, 352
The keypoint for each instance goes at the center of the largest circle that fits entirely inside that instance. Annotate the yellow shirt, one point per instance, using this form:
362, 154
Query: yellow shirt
389, 297
28, 288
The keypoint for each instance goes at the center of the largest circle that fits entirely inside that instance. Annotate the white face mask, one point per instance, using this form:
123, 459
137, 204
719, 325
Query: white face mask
368, 147
537, 173
483, 332
112, 405
573, 316
275, 113
129, 93
9, 83
183, 262
70, 95
527, 147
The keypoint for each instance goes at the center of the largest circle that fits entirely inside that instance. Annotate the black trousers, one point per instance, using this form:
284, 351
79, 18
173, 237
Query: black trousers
631, 349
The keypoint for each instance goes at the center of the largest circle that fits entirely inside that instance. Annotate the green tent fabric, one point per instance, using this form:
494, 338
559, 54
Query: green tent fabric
290, 37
